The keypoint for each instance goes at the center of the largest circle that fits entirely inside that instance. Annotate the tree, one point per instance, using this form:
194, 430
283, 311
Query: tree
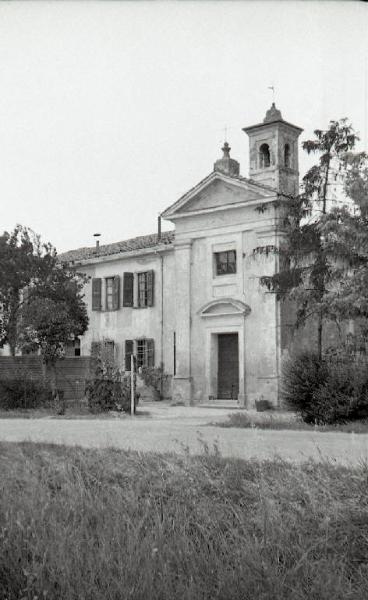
324, 252
21, 254
42, 300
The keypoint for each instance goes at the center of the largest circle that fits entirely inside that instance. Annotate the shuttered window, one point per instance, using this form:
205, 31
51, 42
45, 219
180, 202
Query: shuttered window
128, 284
145, 353
112, 293
145, 289
96, 293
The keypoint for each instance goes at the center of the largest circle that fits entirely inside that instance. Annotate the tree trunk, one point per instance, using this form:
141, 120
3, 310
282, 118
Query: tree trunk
319, 337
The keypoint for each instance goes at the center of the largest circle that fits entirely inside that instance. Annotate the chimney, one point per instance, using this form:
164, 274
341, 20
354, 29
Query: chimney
159, 228
97, 235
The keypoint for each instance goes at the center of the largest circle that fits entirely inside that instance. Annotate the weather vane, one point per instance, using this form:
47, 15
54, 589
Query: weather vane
272, 87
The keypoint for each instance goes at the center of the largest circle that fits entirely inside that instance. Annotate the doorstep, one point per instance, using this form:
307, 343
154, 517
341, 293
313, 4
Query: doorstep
221, 403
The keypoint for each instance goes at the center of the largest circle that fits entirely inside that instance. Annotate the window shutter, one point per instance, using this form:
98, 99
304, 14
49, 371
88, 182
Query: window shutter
116, 293
96, 293
128, 289
150, 353
128, 353
150, 287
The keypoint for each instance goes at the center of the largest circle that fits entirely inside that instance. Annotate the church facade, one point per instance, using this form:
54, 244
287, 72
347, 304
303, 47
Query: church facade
191, 299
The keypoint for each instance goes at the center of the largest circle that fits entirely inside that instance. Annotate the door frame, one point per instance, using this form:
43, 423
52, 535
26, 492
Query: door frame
221, 368
211, 368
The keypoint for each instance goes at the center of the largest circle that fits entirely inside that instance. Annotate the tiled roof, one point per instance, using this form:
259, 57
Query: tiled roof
137, 243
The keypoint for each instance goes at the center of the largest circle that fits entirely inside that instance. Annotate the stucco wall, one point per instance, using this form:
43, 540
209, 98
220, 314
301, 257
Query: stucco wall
243, 229
129, 323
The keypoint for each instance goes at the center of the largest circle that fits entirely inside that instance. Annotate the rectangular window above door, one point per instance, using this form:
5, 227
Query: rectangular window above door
225, 262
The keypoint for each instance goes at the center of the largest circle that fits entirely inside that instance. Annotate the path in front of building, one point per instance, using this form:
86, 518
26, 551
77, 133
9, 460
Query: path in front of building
162, 428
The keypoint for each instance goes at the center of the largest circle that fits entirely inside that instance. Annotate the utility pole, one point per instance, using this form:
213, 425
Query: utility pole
132, 403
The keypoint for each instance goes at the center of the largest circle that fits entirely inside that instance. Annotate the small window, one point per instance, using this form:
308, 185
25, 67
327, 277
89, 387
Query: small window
287, 155
264, 156
225, 262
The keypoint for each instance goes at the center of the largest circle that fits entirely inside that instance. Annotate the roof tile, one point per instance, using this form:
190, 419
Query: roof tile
137, 243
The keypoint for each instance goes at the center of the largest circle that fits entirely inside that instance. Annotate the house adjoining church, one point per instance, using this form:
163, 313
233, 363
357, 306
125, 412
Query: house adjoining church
191, 299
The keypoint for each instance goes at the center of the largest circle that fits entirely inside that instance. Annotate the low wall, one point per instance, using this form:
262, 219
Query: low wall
71, 373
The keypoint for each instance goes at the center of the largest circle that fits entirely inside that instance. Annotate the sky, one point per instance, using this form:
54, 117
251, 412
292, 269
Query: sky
110, 111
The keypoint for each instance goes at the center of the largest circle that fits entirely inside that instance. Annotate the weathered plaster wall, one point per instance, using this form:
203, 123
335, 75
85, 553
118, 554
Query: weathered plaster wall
133, 323
243, 229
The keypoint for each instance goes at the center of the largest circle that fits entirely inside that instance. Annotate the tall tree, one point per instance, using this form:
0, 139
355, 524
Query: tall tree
21, 254
42, 300
325, 234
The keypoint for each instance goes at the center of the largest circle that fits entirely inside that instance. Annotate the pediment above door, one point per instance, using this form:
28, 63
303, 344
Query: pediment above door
223, 307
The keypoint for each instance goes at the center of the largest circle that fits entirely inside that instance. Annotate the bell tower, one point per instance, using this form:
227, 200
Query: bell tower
273, 152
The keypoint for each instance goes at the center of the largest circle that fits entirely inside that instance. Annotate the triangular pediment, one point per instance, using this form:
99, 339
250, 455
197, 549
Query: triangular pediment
216, 192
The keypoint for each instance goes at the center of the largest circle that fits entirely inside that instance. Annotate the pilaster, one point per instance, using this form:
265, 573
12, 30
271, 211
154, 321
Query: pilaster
182, 380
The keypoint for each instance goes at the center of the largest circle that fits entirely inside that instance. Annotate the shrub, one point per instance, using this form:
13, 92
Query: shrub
24, 392
328, 391
155, 378
109, 389
301, 376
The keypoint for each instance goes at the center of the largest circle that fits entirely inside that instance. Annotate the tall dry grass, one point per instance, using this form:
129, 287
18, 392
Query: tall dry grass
101, 525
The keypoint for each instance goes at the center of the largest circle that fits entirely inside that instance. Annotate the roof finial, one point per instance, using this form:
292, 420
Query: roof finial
226, 150
227, 165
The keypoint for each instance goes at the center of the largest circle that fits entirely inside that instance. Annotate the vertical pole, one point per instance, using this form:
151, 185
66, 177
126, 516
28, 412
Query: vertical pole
132, 384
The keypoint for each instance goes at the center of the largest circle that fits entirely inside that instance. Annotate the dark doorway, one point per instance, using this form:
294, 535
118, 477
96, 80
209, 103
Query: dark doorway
228, 366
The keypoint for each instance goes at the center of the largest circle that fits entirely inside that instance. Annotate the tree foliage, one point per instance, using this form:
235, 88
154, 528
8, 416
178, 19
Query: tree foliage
41, 299
324, 252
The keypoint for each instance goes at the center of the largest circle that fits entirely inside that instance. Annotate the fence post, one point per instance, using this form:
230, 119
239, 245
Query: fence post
132, 384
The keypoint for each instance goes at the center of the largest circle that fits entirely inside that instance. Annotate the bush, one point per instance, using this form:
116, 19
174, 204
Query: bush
24, 392
155, 378
109, 389
333, 390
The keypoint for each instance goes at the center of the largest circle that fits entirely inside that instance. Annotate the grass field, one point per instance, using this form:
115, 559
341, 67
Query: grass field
280, 421
101, 525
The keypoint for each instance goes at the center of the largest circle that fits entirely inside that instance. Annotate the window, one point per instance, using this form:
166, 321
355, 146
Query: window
109, 350
77, 347
73, 347
109, 293
143, 349
104, 350
128, 289
225, 262
287, 155
264, 156
112, 291
145, 289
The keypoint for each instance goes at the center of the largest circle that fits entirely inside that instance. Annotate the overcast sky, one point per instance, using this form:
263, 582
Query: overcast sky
110, 111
